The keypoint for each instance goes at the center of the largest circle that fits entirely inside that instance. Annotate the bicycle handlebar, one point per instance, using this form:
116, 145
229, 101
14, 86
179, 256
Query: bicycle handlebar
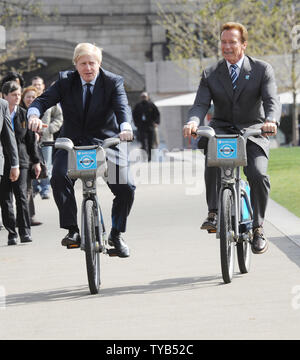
67, 144
209, 132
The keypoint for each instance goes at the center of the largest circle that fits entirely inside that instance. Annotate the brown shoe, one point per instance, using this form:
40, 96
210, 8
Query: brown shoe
210, 223
260, 242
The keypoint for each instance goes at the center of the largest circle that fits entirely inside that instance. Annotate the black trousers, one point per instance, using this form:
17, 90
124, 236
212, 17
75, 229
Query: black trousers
18, 188
119, 181
256, 173
147, 137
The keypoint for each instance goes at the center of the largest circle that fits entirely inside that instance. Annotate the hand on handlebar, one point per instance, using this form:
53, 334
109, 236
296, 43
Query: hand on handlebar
190, 129
269, 129
35, 124
126, 135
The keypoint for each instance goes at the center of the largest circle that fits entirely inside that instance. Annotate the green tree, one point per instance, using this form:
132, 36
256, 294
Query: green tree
12, 15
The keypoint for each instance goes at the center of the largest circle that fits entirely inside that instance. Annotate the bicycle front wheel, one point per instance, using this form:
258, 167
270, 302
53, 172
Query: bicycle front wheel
227, 244
92, 256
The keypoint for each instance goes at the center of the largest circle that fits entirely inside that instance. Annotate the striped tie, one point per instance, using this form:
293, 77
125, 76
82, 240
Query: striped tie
233, 75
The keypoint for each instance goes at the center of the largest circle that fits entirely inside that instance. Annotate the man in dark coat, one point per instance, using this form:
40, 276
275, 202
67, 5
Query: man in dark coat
95, 107
146, 118
244, 94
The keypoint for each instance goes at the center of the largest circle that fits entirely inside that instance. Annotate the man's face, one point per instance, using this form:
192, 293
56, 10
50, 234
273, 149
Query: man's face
39, 85
231, 45
88, 67
13, 98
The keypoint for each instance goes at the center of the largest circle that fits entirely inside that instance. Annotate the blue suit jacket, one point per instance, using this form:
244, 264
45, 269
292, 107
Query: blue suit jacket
108, 108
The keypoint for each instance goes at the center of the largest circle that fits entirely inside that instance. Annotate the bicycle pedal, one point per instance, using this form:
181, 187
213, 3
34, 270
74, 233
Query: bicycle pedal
211, 231
112, 252
73, 246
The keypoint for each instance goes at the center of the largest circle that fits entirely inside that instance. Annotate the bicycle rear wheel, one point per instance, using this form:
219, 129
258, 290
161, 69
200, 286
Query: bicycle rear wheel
92, 255
243, 249
227, 243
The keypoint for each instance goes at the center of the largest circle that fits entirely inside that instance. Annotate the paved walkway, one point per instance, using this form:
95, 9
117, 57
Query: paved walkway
170, 288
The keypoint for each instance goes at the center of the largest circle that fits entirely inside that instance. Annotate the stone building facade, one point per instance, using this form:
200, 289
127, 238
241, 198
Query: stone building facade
127, 30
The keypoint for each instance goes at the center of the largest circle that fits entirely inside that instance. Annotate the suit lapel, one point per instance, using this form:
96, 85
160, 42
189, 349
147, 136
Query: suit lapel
224, 78
244, 78
77, 94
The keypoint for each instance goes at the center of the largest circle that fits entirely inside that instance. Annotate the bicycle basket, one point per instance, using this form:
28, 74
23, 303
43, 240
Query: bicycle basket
86, 162
226, 151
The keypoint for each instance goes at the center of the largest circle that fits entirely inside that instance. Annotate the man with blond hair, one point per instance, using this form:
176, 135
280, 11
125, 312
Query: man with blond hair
244, 94
95, 107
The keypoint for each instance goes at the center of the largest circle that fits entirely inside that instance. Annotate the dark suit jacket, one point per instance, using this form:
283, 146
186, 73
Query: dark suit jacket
254, 99
108, 108
7, 137
26, 142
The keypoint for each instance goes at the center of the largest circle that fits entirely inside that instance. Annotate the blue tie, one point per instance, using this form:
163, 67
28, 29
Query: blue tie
233, 75
12, 120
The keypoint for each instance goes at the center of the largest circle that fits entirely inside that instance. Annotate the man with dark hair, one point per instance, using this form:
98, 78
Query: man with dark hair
27, 152
244, 94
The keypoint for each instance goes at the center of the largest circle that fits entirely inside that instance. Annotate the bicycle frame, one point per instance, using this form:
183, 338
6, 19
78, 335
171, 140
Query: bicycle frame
219, 155
233, 182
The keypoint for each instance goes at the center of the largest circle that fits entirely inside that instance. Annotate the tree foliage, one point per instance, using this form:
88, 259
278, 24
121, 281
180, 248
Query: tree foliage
273, 25
12, 16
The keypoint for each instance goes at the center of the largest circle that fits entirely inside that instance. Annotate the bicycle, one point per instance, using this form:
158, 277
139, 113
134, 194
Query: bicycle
87, 163
234, 226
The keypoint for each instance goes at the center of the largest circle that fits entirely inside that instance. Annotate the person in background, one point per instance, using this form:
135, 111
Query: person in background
146, 118
28, 95
39, 84
11, 75
8, 141
53, 118
26, 144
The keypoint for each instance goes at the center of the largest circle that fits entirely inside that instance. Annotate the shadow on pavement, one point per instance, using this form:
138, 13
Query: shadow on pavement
288, 247
82, 292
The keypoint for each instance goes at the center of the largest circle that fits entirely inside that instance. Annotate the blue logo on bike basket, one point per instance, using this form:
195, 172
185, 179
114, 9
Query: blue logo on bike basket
86, 160
227, 149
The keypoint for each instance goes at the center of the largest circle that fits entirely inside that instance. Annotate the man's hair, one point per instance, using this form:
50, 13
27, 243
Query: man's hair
234, 25
37, 78
87, 49
12, 75
9, 87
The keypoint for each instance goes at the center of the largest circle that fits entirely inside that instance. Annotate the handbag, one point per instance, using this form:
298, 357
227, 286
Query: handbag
43, 174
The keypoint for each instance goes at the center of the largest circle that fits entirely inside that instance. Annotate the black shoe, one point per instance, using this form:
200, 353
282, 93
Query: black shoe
210, 223
45, 197
26, 239
71, 239
115, 240
259, 242
12, 240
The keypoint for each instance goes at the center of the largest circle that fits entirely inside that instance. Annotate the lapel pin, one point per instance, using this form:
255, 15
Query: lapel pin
247, 77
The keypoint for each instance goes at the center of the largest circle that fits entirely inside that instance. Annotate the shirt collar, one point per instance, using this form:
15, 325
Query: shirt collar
91, 82
14, 111
239, 63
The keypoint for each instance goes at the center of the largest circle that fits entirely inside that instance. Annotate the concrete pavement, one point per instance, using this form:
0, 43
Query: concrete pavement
170, 288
